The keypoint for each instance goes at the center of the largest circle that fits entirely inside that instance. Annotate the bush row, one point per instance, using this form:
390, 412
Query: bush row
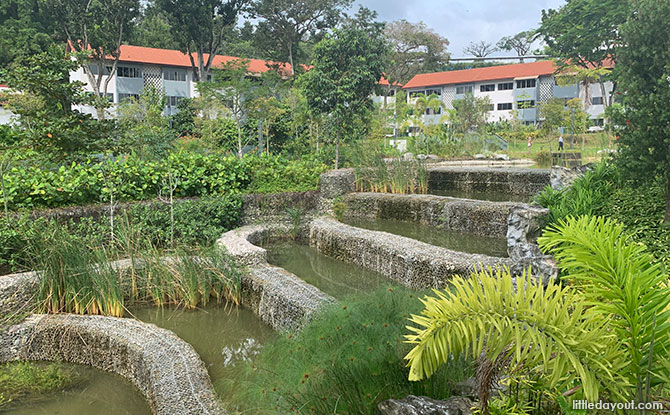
132, 178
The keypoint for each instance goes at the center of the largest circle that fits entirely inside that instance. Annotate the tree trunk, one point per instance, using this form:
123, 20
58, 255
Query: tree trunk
290, 59
603, 91
337, 150
667, 200
239, 140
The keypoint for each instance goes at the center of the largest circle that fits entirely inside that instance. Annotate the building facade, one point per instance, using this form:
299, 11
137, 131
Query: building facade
513, 90
169, 71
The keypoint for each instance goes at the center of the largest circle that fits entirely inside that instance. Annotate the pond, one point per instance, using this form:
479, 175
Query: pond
225, 338
331, 276
98, 393
490, 195
454, 240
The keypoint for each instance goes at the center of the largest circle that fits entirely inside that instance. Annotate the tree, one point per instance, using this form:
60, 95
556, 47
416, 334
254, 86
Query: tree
422, 103
469, 113
46, 104
285, 24
24, 30
200, 26
520, 43
559, 113
96, 29
154, 30
233, 87
346, 68
644, 79
593, 49
480, 49
415, 49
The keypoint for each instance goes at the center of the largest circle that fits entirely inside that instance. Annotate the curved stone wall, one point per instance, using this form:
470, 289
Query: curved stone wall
407, 261
515, 181
167, 370
479, 217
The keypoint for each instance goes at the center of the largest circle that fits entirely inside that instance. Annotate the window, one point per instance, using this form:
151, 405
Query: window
123, 97
174, 75
525, 83
430, 111
529, 123
487, 88
128, 72
596, 100
430, 92
173, 101
526, 104
464, 89
598, 122
415, 94
505, 86
391, 93
504, 106
95, 69
110, 97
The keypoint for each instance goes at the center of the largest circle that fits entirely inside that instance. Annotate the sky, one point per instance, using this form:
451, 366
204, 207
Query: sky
462, 21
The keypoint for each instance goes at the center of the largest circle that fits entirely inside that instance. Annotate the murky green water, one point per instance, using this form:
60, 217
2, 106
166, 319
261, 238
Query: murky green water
331, 276
490, 195
224, 338
457, 241
100, 393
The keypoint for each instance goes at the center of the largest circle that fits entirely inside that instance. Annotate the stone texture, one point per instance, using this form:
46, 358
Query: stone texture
562, 177
421, 405
266, 208
523, 228
18, 297
479, 217
279, 298
167, 370
516, 181
404, 260
333, 184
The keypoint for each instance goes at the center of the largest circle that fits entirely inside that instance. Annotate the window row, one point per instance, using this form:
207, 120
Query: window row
427, 92
526, 83
128, 72
464, 89
174, 75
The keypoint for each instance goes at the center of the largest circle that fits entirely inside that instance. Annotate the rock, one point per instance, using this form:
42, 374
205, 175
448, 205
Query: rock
421, 405
562, 177
408, 156
432, 157
467, 388
523, 227
480, 157
421, 156
502, 157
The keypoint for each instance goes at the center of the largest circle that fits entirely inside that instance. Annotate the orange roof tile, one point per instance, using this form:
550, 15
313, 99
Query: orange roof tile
167, 57
384, 82
482, 74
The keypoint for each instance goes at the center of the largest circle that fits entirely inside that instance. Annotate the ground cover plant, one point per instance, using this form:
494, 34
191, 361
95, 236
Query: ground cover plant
345, 361
26, 381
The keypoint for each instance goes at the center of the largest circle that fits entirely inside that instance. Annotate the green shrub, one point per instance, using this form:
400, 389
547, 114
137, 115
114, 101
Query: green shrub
345, 361
275, 174
543, 158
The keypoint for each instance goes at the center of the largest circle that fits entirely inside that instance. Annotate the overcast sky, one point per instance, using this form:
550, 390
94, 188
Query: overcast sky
462, 21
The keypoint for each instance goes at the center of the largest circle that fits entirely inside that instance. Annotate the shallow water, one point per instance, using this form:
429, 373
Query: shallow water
100, 393
331, 276
457, 241
490, 195
224, 338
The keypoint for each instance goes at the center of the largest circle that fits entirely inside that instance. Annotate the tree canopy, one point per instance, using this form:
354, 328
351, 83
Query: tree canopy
480, 49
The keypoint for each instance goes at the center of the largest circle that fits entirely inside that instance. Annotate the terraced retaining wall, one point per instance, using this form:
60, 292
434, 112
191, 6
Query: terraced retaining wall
475, 216
404, 260
514, 181
167, 370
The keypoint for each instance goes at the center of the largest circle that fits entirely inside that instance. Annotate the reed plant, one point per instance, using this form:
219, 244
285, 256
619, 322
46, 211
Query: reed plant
392, 176
82, 280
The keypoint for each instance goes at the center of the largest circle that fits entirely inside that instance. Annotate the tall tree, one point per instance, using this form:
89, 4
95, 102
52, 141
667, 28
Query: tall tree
592, 49
96, 29
154, 30
469, 113
285, 24
346, 68
415, 49
520, 43
24, 30
480, 49
200, 26
644, 144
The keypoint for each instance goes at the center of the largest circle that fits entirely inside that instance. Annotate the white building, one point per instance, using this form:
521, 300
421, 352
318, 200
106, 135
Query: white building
516, 89
169, 71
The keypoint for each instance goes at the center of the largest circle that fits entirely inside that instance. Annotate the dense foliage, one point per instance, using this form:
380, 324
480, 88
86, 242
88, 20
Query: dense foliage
345, 361
24, 381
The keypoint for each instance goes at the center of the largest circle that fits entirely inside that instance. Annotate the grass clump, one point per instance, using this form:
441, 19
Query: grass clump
81, 280
24, 381
345, 361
